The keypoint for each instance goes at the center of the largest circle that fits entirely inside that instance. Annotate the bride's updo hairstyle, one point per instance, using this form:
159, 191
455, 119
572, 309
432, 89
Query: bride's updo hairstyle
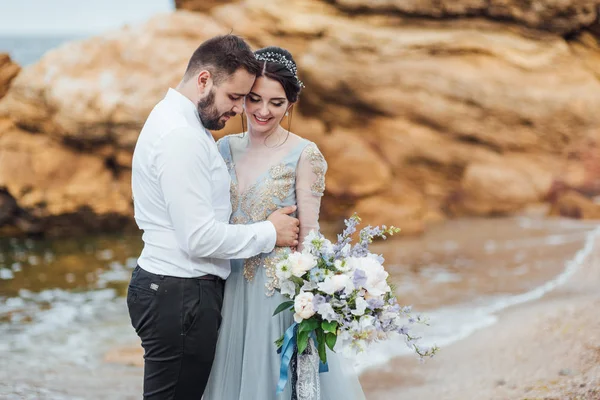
279, 65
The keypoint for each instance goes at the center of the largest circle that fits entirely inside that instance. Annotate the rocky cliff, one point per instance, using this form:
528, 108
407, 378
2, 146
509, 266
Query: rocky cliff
423, 109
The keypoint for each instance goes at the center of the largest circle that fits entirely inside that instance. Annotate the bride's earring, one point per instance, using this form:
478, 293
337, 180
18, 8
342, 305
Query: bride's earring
287, 113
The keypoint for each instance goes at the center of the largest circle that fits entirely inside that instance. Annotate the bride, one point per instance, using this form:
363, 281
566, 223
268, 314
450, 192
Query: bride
270, 167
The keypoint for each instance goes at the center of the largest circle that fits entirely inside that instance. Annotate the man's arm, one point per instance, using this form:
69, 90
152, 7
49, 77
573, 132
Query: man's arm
183, 168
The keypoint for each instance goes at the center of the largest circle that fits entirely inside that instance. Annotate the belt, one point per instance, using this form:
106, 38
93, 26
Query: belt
209, 277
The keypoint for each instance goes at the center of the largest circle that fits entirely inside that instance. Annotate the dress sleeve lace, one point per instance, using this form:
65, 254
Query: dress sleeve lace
310, 186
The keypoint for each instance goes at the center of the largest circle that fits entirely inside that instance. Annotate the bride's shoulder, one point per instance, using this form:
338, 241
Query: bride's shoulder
297, 139
312, 154
307, 143
234, 136
310, 150
231, 138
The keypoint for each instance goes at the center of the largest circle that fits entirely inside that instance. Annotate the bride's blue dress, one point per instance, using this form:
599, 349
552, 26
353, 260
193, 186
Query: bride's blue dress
246, 365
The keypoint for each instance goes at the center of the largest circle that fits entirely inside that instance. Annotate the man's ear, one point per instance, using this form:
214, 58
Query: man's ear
204, 82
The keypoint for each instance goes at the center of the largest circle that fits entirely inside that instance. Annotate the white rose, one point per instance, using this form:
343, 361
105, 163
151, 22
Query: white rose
303, 305
376, 275
301, 263
336, 283
361, 306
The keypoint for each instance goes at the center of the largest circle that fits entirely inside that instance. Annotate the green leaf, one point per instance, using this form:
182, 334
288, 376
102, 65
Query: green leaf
308, 325
279, 342
297, 281
320, 336
321, 345
330, 338
329, 326
283, 306
302, 342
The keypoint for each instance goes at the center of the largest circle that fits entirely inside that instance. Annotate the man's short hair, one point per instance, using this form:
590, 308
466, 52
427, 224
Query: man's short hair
222, 56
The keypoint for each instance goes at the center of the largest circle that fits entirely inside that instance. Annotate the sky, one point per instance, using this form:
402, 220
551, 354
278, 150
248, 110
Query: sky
56, 17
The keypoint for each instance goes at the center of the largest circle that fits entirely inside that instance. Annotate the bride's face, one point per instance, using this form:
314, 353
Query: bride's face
265, 105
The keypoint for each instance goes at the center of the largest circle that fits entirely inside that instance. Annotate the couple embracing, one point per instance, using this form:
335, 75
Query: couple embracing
215, 216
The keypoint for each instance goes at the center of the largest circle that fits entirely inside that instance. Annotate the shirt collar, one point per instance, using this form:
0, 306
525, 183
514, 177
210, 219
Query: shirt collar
185, 105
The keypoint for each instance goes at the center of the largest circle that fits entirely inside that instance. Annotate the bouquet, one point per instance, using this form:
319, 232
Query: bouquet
340, 296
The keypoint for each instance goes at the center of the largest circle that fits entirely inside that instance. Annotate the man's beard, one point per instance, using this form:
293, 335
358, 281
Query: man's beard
209, 115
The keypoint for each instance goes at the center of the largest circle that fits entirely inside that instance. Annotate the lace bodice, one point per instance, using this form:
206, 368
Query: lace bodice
265, 179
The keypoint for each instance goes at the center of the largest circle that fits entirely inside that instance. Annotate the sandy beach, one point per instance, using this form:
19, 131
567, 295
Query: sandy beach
545, 349
465, 273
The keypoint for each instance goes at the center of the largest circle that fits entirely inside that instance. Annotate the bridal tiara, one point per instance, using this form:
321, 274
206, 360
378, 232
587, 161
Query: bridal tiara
283, 60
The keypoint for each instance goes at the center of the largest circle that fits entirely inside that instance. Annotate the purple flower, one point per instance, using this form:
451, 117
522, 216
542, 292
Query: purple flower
345, 237
359, 251
368, 233
374, 303
318, 300
359, 278
387, 325
395, 308
403, 330
378, 326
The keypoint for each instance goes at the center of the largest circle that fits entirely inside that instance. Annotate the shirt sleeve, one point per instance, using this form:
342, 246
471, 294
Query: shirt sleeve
310, 186
183, 167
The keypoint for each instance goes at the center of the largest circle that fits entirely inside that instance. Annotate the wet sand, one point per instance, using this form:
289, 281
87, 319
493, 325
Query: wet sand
545, 349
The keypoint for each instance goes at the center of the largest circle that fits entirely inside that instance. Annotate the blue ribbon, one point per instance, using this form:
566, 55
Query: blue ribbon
287, 352
323, 367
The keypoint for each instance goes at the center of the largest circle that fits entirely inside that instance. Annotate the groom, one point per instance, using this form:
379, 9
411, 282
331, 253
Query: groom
181, 198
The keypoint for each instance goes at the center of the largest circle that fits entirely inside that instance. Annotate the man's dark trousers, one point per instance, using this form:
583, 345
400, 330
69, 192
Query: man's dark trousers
178, 321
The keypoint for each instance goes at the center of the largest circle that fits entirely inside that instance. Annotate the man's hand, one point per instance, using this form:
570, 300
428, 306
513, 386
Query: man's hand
286, 226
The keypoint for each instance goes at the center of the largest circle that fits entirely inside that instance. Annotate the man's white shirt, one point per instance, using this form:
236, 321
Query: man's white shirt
181, 197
